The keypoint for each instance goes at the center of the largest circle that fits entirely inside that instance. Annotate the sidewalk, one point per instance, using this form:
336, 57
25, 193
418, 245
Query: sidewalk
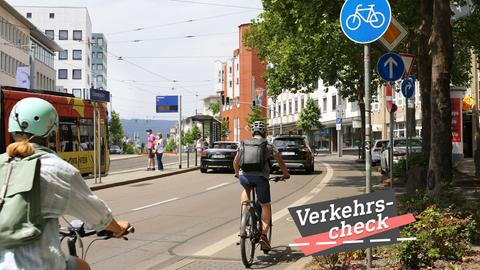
122, 156
128, 177
466, 166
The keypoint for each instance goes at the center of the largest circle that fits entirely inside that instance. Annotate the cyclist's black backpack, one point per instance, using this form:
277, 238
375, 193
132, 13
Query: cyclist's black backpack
253, 155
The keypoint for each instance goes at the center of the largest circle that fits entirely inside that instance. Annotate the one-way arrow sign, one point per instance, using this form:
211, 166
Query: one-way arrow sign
390, 67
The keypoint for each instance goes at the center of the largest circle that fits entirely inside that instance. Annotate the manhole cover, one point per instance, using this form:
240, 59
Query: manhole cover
213, 265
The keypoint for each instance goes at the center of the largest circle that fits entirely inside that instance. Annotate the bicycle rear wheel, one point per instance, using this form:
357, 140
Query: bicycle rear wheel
247, 238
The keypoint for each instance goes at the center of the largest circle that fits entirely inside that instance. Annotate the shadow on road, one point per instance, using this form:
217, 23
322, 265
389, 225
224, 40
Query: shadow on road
279, 254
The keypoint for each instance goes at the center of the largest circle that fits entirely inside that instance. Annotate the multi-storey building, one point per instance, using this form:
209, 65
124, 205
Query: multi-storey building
22, 44
99, 61
71, 28
240, 81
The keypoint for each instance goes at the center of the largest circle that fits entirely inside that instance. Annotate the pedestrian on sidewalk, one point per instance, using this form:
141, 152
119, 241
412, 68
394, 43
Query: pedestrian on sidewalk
159, 150
150, 150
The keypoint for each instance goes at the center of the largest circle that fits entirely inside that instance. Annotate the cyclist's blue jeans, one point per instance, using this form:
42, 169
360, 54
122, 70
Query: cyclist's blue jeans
261, 184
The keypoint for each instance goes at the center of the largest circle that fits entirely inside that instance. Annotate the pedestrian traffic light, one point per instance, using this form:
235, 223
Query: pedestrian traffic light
254, 103
227, 100
222, 97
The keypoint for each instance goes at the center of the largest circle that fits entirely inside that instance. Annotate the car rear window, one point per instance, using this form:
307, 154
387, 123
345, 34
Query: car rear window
225, 145
288, 142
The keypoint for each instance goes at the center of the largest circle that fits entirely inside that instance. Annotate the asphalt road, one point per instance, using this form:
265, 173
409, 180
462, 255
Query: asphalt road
191, 220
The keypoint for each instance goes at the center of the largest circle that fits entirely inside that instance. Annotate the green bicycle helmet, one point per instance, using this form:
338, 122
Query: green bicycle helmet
34, 116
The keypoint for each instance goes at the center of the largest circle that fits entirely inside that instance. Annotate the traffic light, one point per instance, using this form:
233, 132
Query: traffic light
254, 103
227, 100
222, 97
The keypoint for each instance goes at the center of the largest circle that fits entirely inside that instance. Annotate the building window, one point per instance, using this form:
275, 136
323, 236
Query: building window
77, 34
29, 15
324, 109
63, 55
100, 67
334, 102
237, 66
50, 34
100, 42
99, 78
296, 105
51, 15
230, 83
290, 110
284, 108
238, 81
62, 74
100, 55
77, 74
77, 54
63, 35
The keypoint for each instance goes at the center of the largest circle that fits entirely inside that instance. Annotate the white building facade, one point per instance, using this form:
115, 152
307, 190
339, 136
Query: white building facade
71, 28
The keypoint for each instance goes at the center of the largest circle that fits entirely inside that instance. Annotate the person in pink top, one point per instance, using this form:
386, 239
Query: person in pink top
150, 151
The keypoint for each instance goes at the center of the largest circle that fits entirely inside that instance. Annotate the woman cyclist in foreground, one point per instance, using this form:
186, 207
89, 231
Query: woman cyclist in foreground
63, 191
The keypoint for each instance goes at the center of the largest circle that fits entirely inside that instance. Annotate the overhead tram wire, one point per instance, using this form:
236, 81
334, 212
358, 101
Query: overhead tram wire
170, 38
177, 23
215, 4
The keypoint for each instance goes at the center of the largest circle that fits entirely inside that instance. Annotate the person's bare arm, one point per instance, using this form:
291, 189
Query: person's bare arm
118, 228
236, 167
282, 165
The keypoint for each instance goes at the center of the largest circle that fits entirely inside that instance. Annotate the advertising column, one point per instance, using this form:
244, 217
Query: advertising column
456, 96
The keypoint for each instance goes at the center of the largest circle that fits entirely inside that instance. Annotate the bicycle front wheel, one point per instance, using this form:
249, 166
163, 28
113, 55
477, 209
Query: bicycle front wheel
247, 238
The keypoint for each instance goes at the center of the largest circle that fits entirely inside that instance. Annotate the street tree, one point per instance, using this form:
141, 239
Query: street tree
255, 115
310, 118
224, 128
214, 108
116, 129
195, 131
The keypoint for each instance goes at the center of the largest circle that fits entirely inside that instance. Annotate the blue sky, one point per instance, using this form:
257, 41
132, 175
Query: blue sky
134, 89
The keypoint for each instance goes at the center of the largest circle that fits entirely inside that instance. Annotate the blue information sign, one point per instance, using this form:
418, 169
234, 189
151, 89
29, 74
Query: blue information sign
390, 67
364, 21
167, 104
408, 87
99, 95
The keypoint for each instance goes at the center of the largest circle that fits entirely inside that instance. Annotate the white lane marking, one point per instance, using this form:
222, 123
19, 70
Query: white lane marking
299, 245
137, 169
379, 240
230, 240
217, 186
407, 239
155, 204
353, 242
389, 203
326, 243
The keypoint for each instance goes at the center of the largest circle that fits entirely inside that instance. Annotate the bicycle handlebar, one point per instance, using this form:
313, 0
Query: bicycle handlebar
70, 231
276, 178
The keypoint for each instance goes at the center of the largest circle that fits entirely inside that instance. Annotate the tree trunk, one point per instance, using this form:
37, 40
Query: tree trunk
425, 70
440, 165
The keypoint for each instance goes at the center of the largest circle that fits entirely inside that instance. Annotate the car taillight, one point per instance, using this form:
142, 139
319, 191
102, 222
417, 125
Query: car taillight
234, 154
398, 154
203, 154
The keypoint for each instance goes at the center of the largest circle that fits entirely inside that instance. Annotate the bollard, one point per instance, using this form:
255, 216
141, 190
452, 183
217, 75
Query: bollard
196, 157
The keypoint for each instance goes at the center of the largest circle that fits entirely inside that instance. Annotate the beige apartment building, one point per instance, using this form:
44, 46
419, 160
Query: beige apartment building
24, 45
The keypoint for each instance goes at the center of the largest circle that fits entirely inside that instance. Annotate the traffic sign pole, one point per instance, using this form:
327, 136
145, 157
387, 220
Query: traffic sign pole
179, 131
368, 153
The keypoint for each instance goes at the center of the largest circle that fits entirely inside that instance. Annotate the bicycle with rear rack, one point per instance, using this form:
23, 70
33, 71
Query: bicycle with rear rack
251, 226
76, 231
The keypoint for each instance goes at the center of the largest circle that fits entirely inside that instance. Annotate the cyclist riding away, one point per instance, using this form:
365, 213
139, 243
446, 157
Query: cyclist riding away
253, 169
36, 188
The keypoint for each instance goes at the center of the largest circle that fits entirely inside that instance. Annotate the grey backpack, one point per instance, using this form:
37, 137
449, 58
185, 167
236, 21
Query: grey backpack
253, 155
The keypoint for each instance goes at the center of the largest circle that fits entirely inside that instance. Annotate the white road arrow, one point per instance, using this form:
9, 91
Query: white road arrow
390, 62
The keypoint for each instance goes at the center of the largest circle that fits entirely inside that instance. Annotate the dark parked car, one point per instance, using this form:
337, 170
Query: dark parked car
115, 149
219, 156
295, 152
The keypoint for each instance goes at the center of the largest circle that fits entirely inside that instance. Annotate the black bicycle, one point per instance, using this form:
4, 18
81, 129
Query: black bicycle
251, 226
76, 231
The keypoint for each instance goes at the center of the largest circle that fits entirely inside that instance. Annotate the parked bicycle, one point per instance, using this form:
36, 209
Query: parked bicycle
375, 19
251, 226
76, 231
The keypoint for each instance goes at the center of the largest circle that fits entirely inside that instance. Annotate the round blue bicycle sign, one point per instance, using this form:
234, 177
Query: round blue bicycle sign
364, 21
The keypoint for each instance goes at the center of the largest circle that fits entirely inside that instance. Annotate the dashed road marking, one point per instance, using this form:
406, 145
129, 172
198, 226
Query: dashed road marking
217, 186
155, 204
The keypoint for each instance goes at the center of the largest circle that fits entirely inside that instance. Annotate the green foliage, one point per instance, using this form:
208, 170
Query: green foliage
255, 115
116, 129
187, 138
224, 128
442, 233
310, 116
334, 261
214, 108
414, 159
171, 146
129, 149
195, 131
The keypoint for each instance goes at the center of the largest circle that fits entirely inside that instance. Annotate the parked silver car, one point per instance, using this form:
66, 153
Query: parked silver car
399, 151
